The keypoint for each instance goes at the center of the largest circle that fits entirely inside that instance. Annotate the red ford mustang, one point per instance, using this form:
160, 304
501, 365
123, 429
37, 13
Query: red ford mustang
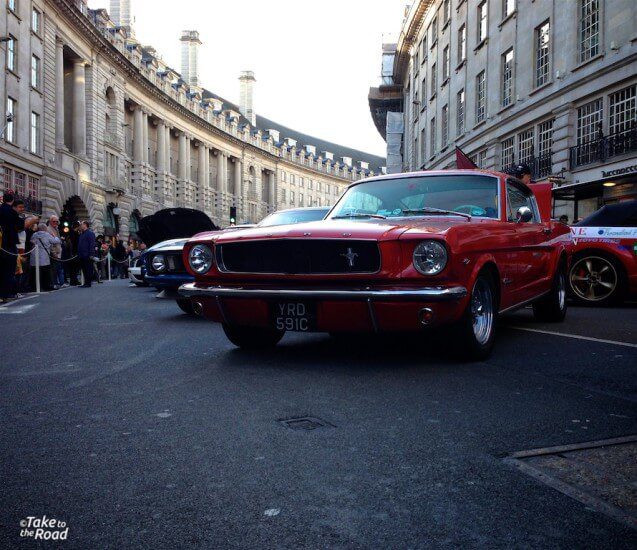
396, 253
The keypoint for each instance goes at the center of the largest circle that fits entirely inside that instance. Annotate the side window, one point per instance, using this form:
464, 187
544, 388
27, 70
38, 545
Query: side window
516, 198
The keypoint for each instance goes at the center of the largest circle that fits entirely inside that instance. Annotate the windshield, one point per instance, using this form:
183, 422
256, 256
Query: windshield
294, 216
475, 195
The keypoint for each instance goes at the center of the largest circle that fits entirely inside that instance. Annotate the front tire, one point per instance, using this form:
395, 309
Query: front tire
596, 279
552, 307
476, 329
186, 306
252, 337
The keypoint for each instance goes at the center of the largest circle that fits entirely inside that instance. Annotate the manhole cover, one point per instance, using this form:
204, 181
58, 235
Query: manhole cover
600, 474
304, 423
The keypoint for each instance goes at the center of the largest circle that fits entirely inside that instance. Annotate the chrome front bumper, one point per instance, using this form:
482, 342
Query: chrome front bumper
426, 294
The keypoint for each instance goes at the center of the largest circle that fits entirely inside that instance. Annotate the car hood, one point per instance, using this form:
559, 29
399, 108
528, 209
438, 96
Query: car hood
171, 244
173, 223
374, 229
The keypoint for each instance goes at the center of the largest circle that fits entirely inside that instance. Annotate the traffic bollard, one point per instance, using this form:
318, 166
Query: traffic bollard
108, 261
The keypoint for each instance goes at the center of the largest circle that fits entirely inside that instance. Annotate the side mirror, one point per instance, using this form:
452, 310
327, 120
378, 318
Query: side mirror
523, 215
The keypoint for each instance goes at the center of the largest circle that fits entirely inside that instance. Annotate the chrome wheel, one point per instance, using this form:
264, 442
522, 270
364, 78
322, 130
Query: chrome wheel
482, 311
561, 290
593, 279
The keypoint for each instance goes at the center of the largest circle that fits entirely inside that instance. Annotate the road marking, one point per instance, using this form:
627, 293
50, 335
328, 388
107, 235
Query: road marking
576, 336
16, 310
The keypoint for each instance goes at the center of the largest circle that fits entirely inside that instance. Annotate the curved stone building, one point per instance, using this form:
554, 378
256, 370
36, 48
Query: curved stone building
99, 127
549, 83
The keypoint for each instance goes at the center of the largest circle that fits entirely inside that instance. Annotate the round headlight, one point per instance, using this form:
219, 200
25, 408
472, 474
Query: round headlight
158, 262
430, 257
200, 258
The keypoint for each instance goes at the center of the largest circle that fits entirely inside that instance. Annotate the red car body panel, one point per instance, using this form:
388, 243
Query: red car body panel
523, 255
617, 242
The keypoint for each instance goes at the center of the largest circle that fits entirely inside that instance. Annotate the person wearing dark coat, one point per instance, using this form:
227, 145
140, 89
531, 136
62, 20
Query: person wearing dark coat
85, 251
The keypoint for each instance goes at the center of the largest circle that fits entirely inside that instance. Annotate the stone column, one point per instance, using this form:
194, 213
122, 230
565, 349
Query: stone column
271, 191
168, 150
183, 157
145, 136
79, 107
221, 177
237, 181
138, 132
202, 167
59, 94
161, 147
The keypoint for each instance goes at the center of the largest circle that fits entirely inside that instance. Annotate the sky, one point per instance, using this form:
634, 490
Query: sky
314, 62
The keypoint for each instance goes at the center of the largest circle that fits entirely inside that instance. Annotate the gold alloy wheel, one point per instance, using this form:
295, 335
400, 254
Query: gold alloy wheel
593, 278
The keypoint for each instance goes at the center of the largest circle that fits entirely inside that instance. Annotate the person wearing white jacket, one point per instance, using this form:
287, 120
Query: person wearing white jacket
44, 241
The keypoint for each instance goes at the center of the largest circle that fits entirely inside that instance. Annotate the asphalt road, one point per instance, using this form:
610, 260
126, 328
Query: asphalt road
142, 427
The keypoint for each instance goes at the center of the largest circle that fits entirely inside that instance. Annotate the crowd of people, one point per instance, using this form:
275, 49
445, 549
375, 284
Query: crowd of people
62, 254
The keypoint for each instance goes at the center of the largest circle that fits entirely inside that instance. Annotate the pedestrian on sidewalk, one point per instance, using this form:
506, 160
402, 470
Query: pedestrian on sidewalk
10, 225
85, 251
44, 241
57, 269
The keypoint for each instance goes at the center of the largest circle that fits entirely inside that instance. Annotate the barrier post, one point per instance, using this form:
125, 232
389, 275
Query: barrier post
108, 261
81, 275
36, 251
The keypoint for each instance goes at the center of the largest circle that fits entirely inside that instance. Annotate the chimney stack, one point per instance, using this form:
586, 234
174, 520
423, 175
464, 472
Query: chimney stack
246, 96
120, 12
189, 57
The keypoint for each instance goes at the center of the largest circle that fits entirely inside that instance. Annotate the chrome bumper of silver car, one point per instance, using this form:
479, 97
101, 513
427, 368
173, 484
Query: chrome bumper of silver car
427, 294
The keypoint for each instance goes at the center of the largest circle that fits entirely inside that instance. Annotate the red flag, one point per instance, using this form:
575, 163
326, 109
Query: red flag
463, 162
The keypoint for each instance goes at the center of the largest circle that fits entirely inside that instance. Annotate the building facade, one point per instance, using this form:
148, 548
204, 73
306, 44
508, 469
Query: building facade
548, 83
99, 127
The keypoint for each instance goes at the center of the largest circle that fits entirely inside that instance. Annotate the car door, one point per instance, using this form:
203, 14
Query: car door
532, 243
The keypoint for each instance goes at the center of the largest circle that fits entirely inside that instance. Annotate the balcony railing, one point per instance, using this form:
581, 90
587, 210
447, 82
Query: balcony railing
604, 148
541, 166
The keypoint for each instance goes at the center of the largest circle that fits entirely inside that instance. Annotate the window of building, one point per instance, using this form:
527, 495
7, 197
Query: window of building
542, 54
508, 152
622, 113
292, 179
416, 64
445, 126
318, 186
35, 134
423, 90
292, 198
424, 48
12, 5
482, 21
434, 31
33, 188
309, 184
589, 29
423, 145
460, 113
433, 79
481, 98
283, 176
589, 122
301, 182
462, 44
10, 131
432, 137
416, 153
446, 69
301, 199
507, 8
507, 78
283, 195
12, 53
35, 72
545, 137
20, 183
446, 11
35, 21
525, 146
481, 159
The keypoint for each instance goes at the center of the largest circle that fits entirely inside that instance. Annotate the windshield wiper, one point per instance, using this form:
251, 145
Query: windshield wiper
359, 215
429, 210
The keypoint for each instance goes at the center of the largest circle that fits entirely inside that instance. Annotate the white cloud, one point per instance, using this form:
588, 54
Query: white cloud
314, 62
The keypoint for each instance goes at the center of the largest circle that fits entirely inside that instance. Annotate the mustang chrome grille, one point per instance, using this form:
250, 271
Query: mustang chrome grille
299, 256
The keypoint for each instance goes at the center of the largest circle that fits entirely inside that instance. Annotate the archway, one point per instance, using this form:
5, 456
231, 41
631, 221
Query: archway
74, 210
111, 220
133, 224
